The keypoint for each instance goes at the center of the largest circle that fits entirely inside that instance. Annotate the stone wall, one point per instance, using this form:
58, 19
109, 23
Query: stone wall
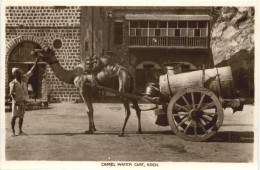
43, 16
232, 31
47, 24
232, 44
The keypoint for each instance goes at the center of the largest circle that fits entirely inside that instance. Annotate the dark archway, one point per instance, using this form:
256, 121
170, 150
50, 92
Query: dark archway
146, 72
20, 56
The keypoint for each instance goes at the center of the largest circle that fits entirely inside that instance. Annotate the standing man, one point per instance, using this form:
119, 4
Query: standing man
19, 94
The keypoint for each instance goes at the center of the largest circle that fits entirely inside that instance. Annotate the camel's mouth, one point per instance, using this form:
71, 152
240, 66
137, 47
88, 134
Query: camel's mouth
37, 52
42, 53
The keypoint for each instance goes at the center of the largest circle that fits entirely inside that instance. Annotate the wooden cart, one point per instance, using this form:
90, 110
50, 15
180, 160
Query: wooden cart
194, 111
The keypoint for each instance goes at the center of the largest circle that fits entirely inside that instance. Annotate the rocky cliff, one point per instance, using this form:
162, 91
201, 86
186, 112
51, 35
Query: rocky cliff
232, 43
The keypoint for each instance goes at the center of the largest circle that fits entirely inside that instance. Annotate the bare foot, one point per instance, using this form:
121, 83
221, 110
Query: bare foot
13, 135
121, 135
21, 133
139, 132
89, 132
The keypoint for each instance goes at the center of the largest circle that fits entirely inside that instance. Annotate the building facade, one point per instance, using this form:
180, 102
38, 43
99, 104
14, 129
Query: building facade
145, 38
142, 39
59, 27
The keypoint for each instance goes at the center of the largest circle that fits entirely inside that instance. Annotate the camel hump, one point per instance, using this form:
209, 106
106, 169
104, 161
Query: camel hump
106, 60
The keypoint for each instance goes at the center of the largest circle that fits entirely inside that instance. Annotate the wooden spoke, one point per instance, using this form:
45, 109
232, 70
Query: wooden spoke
183, 121
181, 107
187, 127
200, 111
210, 116
192, 98
184, 117
188, 104
203, 122
209, 105
203, 128
180, 114
205, 119
206, 113
201, 100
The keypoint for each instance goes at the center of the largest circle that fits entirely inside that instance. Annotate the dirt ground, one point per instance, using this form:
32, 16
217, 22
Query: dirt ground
57, 133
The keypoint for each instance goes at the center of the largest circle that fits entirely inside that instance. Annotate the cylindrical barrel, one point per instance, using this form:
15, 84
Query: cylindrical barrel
173, 69
218, 80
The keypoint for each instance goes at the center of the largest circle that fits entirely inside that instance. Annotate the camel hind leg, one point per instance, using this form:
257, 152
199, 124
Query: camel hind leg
125, 85
138, 113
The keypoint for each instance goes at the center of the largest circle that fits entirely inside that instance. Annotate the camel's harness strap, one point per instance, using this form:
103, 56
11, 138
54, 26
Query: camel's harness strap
95, 80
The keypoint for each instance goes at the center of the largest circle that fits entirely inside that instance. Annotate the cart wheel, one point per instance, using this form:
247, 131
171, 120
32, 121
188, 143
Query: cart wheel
195, 114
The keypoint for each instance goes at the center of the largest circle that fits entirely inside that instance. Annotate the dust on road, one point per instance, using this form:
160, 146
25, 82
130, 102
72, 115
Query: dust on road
57, 133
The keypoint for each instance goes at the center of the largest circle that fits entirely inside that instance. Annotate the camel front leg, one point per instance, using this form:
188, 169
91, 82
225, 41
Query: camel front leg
90, 111
91, 117
138, 113
128, 113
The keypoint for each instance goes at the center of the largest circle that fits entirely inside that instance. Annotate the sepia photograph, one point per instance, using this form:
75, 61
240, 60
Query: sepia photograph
128, 86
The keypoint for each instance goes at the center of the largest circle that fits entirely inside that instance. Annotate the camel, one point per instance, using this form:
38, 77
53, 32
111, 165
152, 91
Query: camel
106, 74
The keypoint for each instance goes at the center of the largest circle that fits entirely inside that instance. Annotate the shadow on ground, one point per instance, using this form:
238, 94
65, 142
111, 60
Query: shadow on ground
234, 137
227, 136
105, 133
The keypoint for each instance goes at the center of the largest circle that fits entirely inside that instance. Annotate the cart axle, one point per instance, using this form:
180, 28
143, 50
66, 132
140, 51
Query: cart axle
195, 114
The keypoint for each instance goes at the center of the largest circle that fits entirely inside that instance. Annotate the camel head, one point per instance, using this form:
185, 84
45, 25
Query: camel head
96, 64
93, 64
46, 54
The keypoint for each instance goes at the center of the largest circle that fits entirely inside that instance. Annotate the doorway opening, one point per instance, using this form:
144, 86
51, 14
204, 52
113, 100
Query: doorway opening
146, 72
21, 57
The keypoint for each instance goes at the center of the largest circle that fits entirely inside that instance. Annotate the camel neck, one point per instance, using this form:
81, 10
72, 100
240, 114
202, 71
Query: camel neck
64, 75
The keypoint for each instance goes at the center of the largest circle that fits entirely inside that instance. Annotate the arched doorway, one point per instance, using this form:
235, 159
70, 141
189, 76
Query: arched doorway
20, 56
146, 72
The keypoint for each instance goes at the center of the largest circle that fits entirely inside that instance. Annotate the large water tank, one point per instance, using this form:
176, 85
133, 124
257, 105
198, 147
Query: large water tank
218, 80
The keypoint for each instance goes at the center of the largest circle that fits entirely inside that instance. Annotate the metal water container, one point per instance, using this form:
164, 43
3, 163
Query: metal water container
218, 80
152, 90
173, 68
